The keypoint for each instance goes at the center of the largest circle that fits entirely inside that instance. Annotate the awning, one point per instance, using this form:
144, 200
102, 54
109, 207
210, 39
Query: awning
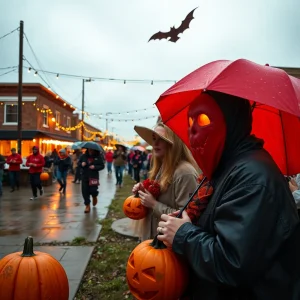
31, 134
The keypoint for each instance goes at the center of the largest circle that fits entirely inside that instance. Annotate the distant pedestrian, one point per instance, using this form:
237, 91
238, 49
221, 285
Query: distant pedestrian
92, 162
2, 163
35, 162
120, 159
76, 168
63, 163
14, 161
54, 156
109, 157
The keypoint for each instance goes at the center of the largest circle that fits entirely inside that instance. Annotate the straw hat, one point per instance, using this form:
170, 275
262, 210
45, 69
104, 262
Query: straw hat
148, 134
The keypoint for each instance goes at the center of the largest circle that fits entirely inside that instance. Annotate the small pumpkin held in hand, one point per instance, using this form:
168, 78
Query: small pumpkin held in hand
134, 209
34, 276
155, 272
44, 176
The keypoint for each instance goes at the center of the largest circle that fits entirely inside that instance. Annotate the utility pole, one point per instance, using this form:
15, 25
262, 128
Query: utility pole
20, 87
82, 106
107, 136
82, 111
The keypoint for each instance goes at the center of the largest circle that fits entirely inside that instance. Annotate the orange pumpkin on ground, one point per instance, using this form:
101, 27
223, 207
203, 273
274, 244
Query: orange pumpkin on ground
134, 209
44, 176
155, 272
34, 276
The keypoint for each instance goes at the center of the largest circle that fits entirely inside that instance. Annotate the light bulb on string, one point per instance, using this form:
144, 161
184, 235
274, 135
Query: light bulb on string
35, 73
57, 76
152, 82
29, 69
124, 81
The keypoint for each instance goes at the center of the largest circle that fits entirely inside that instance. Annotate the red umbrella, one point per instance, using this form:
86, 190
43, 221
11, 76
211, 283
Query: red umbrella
274, 94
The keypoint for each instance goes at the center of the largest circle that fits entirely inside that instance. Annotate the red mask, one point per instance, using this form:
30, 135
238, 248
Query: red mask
207, 133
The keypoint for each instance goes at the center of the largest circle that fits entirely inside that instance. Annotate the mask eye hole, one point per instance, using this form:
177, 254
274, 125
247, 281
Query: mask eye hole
203, 120
191, 121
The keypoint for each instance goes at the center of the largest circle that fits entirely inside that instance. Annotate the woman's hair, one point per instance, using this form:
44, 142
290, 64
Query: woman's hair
175, 154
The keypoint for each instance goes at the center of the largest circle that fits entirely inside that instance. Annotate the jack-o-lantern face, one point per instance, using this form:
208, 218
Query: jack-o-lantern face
134, 209
154, 274
207, 133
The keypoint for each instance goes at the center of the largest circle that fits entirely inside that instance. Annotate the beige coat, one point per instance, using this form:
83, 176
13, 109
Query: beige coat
175, 197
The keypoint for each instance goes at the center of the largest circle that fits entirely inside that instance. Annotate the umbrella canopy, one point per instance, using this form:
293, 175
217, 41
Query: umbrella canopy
274, 95
76, 146
92, 145
139, 148
149, 148
124, 147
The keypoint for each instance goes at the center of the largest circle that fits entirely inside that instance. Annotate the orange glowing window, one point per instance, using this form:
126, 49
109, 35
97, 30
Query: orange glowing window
203, 120
191, 121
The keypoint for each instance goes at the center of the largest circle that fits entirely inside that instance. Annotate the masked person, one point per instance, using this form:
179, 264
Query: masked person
14, 161
240, 245
35, 162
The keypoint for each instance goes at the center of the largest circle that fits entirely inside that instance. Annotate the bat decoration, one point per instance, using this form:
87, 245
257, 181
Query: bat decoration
172, 35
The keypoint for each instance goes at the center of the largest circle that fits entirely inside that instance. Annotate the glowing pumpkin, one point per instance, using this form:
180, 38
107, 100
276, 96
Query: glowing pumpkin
44, 176
34, 276
134, 209
156, 272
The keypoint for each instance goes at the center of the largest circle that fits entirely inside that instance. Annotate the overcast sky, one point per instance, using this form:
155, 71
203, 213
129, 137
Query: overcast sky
109, 39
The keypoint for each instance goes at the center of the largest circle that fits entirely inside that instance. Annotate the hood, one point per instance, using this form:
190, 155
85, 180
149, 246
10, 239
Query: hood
38, 150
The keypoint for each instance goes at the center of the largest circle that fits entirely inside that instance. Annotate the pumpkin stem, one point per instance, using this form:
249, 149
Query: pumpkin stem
157, 244
137, 195
28, 247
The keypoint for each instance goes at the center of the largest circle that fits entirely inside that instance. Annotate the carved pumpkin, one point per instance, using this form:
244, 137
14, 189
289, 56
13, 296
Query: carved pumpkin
156, 272
44, 176
34, 276
134, 209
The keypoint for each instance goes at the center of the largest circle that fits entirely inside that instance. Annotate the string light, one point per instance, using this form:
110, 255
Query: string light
91, 78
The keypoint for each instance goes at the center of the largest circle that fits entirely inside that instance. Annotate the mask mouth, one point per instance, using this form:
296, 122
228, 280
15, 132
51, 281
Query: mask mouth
196, 147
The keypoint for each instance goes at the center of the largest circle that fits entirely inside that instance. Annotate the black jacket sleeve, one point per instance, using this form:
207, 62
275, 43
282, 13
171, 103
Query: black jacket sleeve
244, 244
99, 163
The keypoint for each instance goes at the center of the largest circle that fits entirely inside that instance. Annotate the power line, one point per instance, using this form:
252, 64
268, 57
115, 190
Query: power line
5, 68
8, 72
7, 34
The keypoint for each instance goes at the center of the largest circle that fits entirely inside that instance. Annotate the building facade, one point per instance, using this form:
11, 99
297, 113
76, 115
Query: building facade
45, 119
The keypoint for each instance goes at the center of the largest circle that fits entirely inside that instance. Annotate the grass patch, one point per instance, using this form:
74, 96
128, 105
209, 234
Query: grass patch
105, 276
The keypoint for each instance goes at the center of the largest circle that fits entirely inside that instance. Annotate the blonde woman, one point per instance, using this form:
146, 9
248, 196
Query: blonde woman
173, 166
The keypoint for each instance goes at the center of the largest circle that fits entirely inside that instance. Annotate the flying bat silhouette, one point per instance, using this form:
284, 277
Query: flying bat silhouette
172, 35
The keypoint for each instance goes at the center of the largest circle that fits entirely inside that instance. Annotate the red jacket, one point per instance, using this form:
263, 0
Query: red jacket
14, 161
109, 157
39, 162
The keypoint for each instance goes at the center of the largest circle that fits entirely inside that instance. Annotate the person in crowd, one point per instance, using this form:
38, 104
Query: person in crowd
240, 237
48, 161
119, 163
14, 161
129, 163
137, 162
77, 169
174, 168
294, 184
54, 157
109, 157
91, 163
35, 162
64, 163
2, 163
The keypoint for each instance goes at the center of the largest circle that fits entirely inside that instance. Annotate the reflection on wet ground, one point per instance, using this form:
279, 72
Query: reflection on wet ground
52, 217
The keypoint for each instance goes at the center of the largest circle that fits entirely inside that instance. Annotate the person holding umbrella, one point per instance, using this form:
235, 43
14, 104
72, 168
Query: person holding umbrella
91, 163
243, 241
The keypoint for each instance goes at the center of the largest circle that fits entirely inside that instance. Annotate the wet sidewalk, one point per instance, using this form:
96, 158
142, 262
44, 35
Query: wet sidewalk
54, 218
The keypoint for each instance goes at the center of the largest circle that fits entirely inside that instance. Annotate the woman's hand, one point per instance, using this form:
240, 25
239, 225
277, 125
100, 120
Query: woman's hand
83, 164
92, 167
293, 187
147, 199
137, 187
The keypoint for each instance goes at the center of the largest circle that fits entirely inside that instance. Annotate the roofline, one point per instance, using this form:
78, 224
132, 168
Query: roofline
38, 86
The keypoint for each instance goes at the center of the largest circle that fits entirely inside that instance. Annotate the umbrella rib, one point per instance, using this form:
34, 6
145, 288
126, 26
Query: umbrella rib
284, 142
